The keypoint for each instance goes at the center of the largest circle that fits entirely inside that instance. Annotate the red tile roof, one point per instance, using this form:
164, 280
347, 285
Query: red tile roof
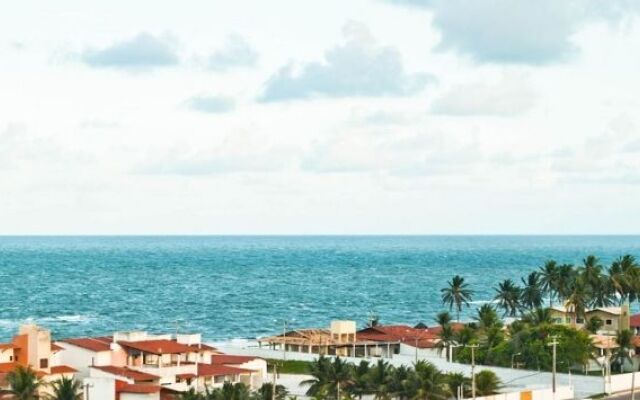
5, 346
55, 347
127, 373
93, 344
7, 367
62, 369
128, 388
160, 346
220, 370
220, 359
634, 321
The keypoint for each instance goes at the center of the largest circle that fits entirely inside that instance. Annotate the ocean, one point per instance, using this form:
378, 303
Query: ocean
244, 286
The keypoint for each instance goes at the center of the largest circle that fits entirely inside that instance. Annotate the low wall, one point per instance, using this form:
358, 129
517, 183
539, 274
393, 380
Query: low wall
562, 393
622, 383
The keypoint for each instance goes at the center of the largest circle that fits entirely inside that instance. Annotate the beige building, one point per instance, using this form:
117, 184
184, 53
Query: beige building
614, 318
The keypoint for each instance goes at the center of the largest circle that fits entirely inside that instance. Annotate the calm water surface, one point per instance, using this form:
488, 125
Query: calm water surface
229, 287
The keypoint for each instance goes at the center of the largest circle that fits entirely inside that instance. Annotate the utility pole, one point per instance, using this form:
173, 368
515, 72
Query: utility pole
86, 390
633, 384
554, 344
416, 348
473, 370
284, 340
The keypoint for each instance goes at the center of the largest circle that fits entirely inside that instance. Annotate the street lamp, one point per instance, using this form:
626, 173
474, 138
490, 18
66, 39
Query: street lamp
513, 358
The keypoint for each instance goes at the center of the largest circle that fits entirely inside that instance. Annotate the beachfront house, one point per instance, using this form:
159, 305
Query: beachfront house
32, 348
139, 363
342, 339
614, 318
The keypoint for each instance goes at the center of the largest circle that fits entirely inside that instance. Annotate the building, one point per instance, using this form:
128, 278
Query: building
342, 339
32, 348
141, 365
614, 318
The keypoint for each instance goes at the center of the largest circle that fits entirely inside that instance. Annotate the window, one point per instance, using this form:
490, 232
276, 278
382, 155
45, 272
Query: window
579, 320
44, 363
568, 320
608, 322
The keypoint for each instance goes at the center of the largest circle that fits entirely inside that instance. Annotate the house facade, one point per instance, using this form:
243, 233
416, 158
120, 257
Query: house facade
32, 348
142, 365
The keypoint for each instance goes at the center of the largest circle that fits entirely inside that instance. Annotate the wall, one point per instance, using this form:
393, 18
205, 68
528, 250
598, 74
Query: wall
622, 383
139, 396
562, 393
81, 359
100, 388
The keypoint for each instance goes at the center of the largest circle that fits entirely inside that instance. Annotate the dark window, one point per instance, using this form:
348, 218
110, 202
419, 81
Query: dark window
44, 363
608, 322
579, 321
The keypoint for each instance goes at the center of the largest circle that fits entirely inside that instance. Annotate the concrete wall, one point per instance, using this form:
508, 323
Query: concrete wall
100, 388
562, 393
622, 382
80, 358
139, 396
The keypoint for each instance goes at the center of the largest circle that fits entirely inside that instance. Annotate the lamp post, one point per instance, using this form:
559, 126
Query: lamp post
473, 347
87, 386
554, 344
513, 359
285, 324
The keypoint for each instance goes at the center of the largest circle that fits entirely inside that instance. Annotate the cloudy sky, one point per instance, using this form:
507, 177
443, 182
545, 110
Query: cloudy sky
289, 116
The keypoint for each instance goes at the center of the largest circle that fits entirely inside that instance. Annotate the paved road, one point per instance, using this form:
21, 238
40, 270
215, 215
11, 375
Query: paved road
624, 396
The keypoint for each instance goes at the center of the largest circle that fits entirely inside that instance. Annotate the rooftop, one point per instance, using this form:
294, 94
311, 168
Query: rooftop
160, 346
127, 373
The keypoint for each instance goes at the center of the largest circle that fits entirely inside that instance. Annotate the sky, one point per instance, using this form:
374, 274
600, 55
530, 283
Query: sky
320, 117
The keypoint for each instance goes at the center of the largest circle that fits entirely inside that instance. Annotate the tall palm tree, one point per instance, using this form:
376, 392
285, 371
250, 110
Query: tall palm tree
456, 294
590, 269
531, 296
66, 389
23, 383
602, 292
622, 353
566, 276
399, 382
508, 297
624, 276
548, 278
578, 298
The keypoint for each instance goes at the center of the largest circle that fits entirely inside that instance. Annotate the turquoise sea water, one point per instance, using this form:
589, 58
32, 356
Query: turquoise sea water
228, 287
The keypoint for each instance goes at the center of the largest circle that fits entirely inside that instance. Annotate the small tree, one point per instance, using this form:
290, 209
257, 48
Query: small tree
66, 389
487, 383
23, 383
594, 324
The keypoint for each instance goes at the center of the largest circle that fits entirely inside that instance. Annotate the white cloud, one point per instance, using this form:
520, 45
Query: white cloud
236, 53
359, 67
211, 104
141, 51
508, 97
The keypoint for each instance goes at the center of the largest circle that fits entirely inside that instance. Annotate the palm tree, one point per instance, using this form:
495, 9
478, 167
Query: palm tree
447, 338
399, 382
531, 296
23, 383
578, 298
265, 392
622, 353
487, 317
508, 297
381, 377
66, 389
487, 383
538, 316
361, 383
455, 380
428, 382
594, 324
443, 318
465, 336
602, 292
548, 278
566, 277
624, 276
320, 372
591, 269
456, 294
